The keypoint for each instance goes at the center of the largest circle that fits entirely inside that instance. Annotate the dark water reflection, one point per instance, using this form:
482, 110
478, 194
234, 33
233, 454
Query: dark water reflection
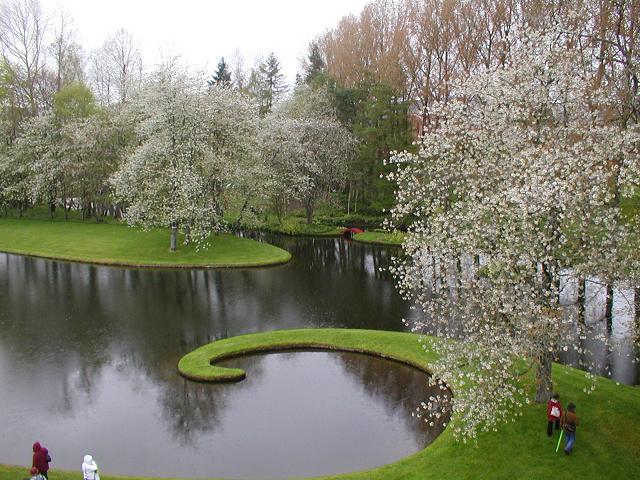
88, 363
88, 354
605, 350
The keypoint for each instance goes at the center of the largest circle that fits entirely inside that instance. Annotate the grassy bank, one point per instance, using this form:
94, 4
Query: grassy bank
198, 364
122, 245
380, 238
298, 227
607, 440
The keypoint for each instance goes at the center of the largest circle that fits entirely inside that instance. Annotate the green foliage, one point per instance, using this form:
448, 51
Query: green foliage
315, 63
630, 206
378, 118
297, 226
74, 101
5, 81
349, 220
41, 212
222, 76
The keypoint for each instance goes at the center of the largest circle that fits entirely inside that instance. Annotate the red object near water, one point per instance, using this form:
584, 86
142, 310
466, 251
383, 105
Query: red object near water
350, 232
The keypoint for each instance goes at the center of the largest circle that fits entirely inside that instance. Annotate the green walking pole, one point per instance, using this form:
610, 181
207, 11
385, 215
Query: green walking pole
559, 440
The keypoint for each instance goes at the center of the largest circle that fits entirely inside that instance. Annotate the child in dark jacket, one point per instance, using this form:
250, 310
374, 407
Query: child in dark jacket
41, 459
554, 413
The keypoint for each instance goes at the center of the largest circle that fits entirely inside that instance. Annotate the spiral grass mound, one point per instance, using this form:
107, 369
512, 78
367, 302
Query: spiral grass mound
606, 444
199, 365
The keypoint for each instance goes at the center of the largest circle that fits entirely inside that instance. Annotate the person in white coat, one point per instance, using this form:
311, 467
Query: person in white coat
89, 469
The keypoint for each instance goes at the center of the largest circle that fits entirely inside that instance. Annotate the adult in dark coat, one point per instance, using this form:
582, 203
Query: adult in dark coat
569, 423
41, 459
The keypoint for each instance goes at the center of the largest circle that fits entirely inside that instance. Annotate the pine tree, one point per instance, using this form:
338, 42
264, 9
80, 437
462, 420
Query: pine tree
272, 83
222, 77
315, 63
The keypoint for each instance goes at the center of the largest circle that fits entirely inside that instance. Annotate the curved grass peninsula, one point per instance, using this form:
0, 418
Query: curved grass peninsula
119, 245
199, 365
607, 439
606, 444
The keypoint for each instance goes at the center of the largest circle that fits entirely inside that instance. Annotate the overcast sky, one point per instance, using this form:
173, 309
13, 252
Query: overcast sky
202, 31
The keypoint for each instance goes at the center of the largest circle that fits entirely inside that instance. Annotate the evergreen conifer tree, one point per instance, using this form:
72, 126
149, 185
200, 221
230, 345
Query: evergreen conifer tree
272, 83
222, 76
315, 63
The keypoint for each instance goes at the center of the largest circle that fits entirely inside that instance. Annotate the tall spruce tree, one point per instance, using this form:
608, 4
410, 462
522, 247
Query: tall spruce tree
315, 63
272, 83
222, 77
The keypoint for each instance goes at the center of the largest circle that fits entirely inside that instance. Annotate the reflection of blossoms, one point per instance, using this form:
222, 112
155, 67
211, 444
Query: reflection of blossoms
519, 185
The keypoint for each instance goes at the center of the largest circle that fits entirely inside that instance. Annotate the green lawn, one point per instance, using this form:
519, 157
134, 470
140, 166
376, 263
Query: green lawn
607, 439
298, 227
380, 237
115, 244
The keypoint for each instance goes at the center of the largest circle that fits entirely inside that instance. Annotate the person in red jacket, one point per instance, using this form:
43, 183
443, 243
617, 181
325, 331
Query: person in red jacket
554, 413
41, 459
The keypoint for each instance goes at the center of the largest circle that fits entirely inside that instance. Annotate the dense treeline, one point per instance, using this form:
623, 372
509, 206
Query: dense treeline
396, 62
421, 48
69, 119
100, 134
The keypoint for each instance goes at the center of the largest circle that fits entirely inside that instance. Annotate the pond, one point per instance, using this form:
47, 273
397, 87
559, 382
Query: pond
90, 356
88, 361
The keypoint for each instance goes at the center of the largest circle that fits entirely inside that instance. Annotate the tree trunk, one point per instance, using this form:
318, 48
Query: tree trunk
581, 300
636, 304
279, 207
544, 384
609, 309
174, 237
308, 208
187, 235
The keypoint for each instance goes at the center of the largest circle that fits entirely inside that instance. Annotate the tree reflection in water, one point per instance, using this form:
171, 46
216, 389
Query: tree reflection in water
93, 350
90, 353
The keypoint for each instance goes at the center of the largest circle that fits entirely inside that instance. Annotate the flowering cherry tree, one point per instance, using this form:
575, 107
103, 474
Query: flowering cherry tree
163, 181
41, 149
306, 148
234, 170
520, 184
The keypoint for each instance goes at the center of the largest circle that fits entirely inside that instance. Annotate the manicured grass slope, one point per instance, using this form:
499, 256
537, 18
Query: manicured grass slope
380, 238
298, 227
121, 245
607, 441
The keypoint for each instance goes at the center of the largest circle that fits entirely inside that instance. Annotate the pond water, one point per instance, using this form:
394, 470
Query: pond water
88, 359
